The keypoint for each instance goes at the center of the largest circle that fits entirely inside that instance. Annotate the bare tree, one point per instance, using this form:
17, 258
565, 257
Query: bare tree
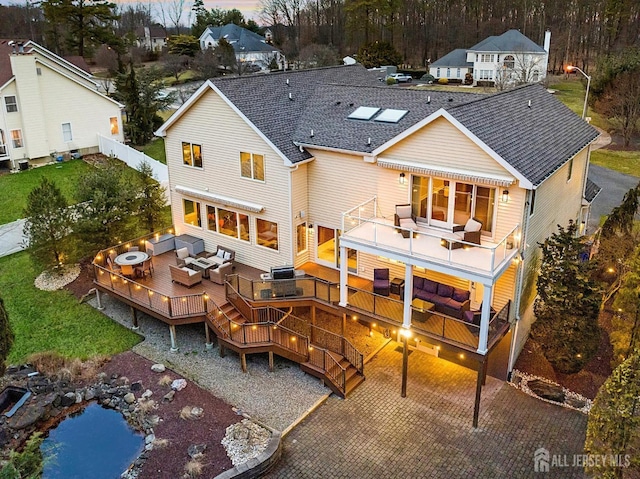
171, 12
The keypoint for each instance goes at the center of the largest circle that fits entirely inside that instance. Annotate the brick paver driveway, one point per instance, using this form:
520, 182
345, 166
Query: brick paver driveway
377, 434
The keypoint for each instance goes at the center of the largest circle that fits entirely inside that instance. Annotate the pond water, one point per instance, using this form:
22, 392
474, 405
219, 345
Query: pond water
96, 443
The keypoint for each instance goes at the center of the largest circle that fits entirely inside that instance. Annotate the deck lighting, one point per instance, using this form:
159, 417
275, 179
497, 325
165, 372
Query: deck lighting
611, 270
406, 332
402, 179
505, 196
461, 356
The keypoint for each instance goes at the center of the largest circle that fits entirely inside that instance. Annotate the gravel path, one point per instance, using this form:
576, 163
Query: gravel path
276, 399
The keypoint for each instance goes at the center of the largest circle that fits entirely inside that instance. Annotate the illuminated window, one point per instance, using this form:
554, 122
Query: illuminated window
16, 138
192, 154
267, 234
301, 237
3, 144
113, 122
252, 166
191, 212
228, 222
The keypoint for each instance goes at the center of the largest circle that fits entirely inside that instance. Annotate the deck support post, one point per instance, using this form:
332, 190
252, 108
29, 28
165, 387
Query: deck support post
313, 323
408, 296
243, 362
483, 338
405, 364
134, 318
344, 323
479, 382
344, 277
99, 299
271, 361
222, 349
172, 333
207, 335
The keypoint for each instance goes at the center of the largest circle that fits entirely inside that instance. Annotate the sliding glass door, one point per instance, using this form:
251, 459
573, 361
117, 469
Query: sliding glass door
328, 249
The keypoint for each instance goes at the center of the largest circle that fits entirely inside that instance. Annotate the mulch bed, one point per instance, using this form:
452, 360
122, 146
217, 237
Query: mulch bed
169, 461
586, 382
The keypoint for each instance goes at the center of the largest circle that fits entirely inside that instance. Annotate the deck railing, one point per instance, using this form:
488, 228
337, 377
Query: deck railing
367, 213
322, 359
173, 307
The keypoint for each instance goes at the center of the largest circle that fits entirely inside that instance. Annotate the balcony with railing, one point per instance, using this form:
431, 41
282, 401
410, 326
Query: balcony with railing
364, 229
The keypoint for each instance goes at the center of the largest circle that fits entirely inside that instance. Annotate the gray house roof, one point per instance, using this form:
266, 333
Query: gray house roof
509, 41
535, 138
242, 40
591, 190
455, 58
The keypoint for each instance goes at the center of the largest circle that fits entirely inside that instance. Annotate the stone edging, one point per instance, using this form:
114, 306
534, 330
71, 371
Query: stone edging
520, 380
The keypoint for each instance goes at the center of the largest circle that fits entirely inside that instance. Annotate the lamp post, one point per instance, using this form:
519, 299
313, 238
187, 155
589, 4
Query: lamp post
571, 68
406, 334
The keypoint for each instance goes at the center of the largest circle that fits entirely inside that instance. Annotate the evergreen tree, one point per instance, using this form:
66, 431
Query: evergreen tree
377, 54
625, 333
151, 197
226, 55
6, 336
48, 224
568, 303
613, 430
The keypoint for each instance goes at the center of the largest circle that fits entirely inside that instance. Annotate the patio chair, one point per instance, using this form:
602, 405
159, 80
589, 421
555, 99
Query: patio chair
404, 218
470, 233
134, 248
219, 274
127, 270
144, 269
183, 258
381, 284
112, 265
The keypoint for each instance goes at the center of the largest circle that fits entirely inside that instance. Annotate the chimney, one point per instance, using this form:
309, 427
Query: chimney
547, 41
20, 47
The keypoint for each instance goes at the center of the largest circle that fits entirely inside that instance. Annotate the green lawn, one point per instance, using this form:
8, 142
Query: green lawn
571, 92
627, 162
16, 187
54, 321
155, 149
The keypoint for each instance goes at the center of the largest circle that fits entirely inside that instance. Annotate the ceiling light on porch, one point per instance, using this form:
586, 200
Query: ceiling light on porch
402, 179
406, 332
505, 196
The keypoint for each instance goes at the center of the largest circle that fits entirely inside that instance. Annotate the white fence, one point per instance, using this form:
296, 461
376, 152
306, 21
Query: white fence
133, 158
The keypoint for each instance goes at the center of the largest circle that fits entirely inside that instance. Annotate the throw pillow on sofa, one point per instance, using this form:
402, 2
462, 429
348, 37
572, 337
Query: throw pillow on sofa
430, 286
460, 295
445, 290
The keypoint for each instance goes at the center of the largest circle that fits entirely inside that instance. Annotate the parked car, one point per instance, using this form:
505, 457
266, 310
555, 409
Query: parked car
401, 77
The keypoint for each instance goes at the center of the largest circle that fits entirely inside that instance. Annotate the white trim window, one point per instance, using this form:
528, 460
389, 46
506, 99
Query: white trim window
252, 166
228, 222
113, 125
191, 213
301, 238
67, 133
3, 144
11, 103
267, 233
486, 58
509, 62
16, 138
486, 75
191, 154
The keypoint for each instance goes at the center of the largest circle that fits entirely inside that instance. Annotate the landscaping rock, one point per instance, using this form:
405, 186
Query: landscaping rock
89, 394
547, 391
68, 399
129, 398
149, 438
26, 417
158, 368
197, 412
179, 384
137, 386
169, 396
147, 394
196, 450
575, 402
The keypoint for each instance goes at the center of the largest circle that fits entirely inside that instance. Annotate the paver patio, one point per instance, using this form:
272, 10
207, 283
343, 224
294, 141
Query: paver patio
377, 434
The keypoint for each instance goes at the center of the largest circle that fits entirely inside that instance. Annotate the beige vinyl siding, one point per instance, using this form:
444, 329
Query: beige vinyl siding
34, 129
67, 102
13, 121
299, 203
210, 122
70, 71
441, 144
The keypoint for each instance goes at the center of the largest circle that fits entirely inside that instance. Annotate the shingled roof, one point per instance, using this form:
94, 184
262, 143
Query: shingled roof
455, 58
241, 39
527, 127
591, 190
509, 41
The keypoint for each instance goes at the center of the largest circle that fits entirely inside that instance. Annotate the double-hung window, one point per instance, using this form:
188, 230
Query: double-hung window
16, 138
192, 154
252, 166
11, 103
227, 222
3, 144
67, 134
191, 212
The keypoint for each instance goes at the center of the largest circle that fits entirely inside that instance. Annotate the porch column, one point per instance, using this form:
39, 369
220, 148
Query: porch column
99, 299
486, 317
344, 276
408, 293
172, 334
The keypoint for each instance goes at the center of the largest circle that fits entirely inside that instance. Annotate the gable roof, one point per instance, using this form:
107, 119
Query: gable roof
455, 58
79, 62
532, 140
509, 41
241, 39
536, 139
591, 190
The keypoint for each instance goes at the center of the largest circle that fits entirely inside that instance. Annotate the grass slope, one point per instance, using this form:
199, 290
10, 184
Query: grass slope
627, 162
155, 149
16, 188
54, 321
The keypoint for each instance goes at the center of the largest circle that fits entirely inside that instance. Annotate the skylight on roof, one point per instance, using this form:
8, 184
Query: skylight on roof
363, 113
391, 116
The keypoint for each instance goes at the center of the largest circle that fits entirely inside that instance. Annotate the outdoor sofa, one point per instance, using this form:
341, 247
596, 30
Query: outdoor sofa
185, 276
446, 299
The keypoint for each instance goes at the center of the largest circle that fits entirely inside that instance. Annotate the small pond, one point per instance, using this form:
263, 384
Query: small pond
96, 443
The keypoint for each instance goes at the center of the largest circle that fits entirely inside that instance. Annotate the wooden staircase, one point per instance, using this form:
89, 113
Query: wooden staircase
338, 371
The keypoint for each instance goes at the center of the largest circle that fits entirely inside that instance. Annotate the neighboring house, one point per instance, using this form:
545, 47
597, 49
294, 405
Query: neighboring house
247, 45
49, 105
309, 166
153, 38
507, 59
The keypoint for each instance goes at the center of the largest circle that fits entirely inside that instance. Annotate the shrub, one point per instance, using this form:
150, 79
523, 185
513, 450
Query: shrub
391, 81
428, 77
443, 81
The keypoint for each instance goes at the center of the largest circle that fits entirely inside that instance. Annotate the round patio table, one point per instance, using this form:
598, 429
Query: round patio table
131, 258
